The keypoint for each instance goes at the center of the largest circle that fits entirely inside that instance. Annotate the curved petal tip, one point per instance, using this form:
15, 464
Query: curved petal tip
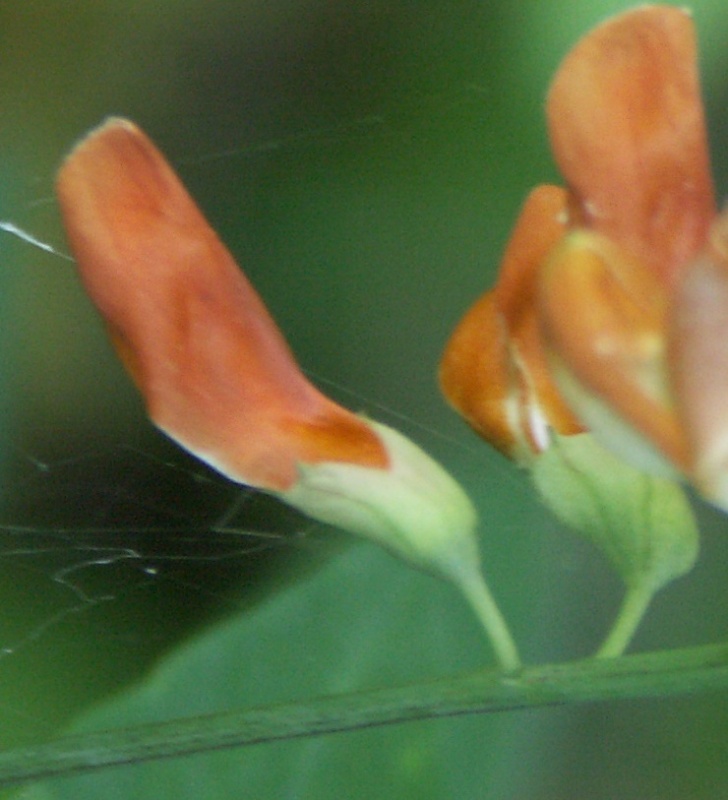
214, 370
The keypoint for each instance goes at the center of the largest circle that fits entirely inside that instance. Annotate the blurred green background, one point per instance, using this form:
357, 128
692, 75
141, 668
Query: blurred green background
364, 161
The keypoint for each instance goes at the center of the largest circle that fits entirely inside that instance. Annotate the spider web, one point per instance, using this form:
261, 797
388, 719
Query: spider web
88, 531
125, 555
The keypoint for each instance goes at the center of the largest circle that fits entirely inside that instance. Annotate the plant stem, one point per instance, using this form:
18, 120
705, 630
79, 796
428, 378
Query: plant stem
660, 674
480, 599
634, 606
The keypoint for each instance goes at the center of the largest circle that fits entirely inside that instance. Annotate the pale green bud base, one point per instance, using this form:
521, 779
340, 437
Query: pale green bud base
414, 509
642, 523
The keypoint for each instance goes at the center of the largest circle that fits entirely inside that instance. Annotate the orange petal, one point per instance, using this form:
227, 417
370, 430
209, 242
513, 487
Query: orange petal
627, 129
603, 316
476, 378
214, 370
494, 370
699, 363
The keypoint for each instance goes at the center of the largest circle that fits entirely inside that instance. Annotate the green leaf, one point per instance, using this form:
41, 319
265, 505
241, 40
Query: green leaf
362, 622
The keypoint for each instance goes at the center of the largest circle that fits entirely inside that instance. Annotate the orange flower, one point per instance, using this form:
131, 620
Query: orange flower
217, 375
611, 310
188, 325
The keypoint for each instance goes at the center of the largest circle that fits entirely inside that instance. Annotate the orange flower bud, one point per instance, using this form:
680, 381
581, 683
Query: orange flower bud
214, 370
218, 377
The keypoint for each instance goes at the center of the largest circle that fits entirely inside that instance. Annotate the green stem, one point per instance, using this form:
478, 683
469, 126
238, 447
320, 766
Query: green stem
634, 606
654, 674
480, 599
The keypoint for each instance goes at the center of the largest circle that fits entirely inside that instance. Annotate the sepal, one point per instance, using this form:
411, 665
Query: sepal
643, 524
413, 508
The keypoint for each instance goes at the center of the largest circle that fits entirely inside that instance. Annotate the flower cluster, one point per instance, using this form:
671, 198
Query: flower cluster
607, 325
